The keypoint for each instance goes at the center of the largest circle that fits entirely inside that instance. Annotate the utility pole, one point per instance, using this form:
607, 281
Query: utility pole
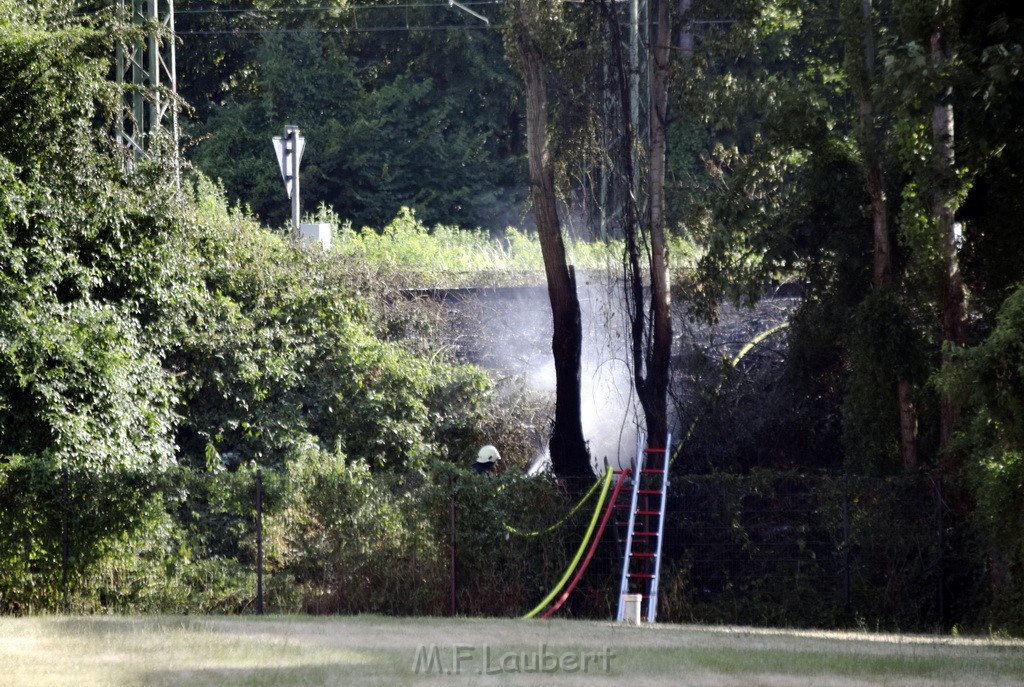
292, 132
146, 73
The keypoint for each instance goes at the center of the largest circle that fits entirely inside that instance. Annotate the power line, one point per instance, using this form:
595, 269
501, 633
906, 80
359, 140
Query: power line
354, 29
410, 10
428, 5
419, 7
335, 9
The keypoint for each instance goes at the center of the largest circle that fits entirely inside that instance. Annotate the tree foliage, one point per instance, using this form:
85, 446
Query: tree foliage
785, 191
428, 122
150, 334
988, 380
158, 346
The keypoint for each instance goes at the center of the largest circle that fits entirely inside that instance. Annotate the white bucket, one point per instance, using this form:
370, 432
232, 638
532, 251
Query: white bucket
631, 608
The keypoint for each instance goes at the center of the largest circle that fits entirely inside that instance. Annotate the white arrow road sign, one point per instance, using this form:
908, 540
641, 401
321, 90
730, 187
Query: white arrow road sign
283, 149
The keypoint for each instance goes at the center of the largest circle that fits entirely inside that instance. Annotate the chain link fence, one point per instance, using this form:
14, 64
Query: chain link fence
763, 549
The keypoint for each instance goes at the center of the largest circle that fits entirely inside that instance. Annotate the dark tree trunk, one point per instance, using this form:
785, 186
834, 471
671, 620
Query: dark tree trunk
650, 329
569, 454
653, 387
881, 272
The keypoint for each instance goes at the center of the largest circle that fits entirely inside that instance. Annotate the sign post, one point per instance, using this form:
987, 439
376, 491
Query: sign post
289, 154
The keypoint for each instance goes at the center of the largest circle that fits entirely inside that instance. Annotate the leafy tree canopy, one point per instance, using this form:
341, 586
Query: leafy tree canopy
391, 119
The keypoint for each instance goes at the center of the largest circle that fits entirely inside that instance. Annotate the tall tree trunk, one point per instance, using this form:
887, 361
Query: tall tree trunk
952, 306
569, 454
881, 267
650, 330
624, 156
881, 272
653, 388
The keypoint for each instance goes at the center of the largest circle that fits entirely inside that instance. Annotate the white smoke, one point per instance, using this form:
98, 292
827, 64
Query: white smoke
516, 339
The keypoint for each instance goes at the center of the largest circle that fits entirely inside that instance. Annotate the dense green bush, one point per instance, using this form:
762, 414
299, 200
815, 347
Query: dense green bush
89, 275
449, 257
288, 343
350, 541
989, 380
156, 348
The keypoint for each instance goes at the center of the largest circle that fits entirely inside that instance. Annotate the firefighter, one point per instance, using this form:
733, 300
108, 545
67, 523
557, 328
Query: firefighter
486, 460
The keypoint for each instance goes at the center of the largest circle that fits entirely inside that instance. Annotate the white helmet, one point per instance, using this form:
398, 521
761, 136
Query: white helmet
488, 454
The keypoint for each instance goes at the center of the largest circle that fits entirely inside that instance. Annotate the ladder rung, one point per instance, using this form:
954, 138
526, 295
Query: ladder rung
648, 512
652, 471
654, 450
650, 491
645, 575
645, 534
642, 554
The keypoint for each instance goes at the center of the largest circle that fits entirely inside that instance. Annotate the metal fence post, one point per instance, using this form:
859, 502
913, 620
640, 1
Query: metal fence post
940, 526
846, 543
452, 552
259, 542
65, 538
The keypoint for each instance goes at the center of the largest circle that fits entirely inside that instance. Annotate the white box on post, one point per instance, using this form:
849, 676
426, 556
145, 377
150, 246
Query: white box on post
310, 234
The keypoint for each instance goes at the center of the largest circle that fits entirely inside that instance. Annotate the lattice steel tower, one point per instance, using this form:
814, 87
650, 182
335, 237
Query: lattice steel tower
146, 75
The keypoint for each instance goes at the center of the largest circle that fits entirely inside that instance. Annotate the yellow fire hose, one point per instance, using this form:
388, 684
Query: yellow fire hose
552, 528
605, 483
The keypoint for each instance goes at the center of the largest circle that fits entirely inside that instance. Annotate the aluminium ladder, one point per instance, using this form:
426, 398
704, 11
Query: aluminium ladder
645, 528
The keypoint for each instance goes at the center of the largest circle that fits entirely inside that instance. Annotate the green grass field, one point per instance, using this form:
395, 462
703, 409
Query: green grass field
370, 650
